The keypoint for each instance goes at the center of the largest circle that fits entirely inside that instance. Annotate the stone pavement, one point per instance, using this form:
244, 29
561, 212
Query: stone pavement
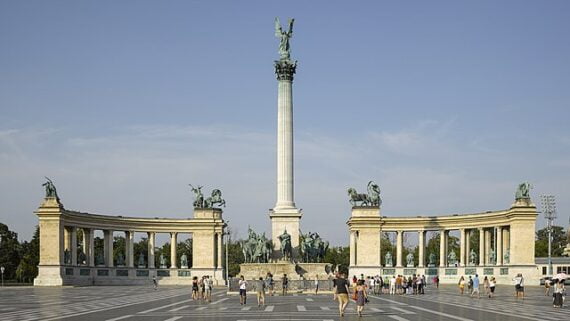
174, 303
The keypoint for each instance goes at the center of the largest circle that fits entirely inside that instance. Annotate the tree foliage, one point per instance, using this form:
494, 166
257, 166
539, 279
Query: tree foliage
559, 242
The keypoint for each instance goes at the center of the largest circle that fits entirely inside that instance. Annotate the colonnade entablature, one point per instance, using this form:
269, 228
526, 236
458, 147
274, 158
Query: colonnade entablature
63, 263
506, 242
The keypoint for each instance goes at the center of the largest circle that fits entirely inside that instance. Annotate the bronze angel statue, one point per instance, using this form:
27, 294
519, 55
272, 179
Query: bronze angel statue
284, 36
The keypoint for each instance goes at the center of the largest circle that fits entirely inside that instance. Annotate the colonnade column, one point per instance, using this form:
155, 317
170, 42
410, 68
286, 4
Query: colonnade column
506, 242
73, 245
421, 247
462, 247
467, 246
151, 236
442, 246
399, 242
481, 247
220, 247
352, 248
130, 239
90, 244
499, 246
108, 247
173, 242
487, 246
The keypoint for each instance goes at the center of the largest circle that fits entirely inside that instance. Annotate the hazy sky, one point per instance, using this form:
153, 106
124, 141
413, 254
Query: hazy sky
447, 105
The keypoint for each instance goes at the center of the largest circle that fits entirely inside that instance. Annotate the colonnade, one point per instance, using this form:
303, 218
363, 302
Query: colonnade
506, 241
60, 265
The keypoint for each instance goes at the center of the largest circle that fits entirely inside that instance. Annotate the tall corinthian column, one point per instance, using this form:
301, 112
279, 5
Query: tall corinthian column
285, 216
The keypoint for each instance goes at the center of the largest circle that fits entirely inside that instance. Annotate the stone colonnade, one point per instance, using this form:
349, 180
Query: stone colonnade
60, 265
506, 241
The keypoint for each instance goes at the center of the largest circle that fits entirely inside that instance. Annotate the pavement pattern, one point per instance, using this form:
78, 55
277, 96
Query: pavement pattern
174, 303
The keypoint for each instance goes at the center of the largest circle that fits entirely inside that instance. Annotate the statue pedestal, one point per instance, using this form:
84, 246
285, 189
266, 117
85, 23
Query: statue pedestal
163, 266
294, 271
281, 220
184, 267
431, 265
410, 265
389, 265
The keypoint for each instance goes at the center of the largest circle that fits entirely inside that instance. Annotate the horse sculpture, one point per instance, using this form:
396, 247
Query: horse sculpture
370, 199
356, 197
216, 198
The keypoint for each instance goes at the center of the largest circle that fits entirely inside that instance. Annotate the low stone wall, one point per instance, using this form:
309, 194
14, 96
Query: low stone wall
294, 286
294, 271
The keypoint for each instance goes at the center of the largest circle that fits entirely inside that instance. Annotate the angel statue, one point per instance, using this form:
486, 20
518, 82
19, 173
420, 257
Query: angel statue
284, 36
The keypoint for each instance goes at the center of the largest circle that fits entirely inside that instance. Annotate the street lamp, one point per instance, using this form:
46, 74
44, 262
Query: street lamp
227, 235
2, 270
548, 203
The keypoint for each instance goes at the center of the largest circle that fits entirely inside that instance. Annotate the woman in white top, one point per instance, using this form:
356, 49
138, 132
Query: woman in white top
242, 290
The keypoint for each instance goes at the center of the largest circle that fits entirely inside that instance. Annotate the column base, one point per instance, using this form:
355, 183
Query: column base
281, 220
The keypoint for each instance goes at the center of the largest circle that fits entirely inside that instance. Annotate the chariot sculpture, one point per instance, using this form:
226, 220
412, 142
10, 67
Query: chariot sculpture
372, 198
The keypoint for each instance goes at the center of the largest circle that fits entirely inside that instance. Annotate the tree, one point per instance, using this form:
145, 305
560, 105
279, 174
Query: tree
27, 268
433, 248
386, 245
9, 252
340, 257
140, 248
558, 242
119, 248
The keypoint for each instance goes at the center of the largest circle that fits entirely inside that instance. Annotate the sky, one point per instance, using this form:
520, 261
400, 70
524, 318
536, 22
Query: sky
447, 105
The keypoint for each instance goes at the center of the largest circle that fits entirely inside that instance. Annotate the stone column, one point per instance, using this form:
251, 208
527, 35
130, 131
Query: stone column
90, 246
285, 71
151, 236
108, 247
173, 242
73, 236
487, 245
499, 246
130, 239
506, 241
467, 246
421, 246
399, 246
220, 249
462, 247
481, 246
442, 254
352, 248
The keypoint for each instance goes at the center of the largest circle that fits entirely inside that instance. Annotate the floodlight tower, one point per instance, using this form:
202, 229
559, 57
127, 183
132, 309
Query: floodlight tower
548, 203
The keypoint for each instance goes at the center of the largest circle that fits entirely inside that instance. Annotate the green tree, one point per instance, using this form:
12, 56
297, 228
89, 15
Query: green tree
141, 248
235, 257
339, 256
119, 248
184, 248
28, 267
9, 252
386, 245
558, 242
432, 247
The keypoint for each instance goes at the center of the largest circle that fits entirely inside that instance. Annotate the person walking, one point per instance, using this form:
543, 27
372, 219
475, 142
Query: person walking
195, 288
361, 297
492, 285
461, 284
342, 293
316, 284
470, 285
269, 283
154, 282
260, 290
486, 286
519, 286
393, 285
242, 290
436, 279
547, 284
285, 282
336, 277
476, 287
558, 293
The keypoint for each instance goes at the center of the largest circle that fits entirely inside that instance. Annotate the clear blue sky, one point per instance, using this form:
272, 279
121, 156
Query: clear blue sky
448, 105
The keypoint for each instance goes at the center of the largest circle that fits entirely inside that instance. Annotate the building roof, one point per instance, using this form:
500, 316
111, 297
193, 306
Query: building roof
555, 260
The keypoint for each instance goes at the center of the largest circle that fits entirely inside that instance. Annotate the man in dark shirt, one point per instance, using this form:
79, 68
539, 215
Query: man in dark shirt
342, 293
285, 284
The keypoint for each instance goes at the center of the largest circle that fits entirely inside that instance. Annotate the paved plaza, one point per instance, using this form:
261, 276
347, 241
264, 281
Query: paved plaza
174, 303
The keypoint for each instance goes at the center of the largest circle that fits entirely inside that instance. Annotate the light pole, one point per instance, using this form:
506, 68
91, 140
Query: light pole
227, 235
548, 203
2, 270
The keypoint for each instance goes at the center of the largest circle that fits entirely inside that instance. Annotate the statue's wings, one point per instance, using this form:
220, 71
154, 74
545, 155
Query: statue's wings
291, 21
278, 30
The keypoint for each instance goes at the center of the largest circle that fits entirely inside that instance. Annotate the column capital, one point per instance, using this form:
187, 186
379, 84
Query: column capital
285, 69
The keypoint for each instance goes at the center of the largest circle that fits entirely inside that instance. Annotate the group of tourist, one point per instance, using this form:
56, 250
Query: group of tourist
202, 288
558, 291
473, 286
260, 286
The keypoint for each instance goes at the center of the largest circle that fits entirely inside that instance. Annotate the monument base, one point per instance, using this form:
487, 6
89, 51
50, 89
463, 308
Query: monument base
285, 219
294, 271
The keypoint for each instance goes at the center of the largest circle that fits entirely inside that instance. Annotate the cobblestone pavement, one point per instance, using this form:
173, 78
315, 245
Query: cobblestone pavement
174, 303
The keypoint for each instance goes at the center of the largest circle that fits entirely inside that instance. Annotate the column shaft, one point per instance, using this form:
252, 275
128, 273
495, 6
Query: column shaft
91, 247
399, 248
506, 242
467, 246
462, 248
130, 238
73, 237
481, 247
285, 197
499, 246
421, 246
151, 236
220, 249
108, 247
487, 245
442, 246
173, 242
352, 248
